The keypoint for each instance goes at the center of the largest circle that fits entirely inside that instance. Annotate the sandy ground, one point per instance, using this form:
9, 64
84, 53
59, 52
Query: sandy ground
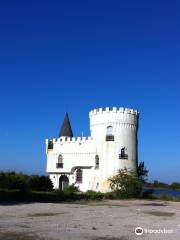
107, 220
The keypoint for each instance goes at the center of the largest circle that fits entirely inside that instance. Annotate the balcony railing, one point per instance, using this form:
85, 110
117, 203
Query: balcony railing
123, 156
109, 138
59, 165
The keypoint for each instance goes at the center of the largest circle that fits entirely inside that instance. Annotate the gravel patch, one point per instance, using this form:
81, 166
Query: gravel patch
105, 220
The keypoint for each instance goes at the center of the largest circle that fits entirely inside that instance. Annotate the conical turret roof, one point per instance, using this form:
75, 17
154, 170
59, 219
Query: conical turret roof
66, 130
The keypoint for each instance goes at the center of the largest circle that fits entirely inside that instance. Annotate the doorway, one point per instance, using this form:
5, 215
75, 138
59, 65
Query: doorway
63, 182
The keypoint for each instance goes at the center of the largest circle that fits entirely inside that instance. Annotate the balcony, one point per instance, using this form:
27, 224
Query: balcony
109, 138
123, 156
59, 165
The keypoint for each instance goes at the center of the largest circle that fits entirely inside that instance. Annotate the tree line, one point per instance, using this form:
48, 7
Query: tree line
14, 180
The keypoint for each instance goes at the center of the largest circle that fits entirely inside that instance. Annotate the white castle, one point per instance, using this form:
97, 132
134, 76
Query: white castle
88, 162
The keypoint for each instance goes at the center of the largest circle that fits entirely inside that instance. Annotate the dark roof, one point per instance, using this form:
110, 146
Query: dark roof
66, 130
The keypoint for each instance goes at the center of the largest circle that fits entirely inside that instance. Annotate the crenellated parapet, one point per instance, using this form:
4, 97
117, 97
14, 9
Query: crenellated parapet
113, 110
122, 117
69, 139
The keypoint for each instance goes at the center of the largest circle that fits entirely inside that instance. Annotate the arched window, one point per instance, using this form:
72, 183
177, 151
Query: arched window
122, 151
109, 130
109, 133
96, 162
59, 164
123, 154
79, 175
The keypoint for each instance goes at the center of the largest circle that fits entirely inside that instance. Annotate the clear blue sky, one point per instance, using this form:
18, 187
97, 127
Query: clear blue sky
58, 56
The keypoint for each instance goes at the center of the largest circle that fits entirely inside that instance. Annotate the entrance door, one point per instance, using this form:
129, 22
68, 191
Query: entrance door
63, 182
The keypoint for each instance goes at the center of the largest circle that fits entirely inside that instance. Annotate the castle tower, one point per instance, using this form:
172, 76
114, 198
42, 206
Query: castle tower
115, 132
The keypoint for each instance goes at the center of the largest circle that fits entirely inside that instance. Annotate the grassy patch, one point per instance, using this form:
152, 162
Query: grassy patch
153, 204
166, 198
45, 214
19, 236
159, 213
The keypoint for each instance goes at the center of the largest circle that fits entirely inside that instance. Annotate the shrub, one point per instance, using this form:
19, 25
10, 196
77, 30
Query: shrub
110, 195
40, 183
126, 184
142, 172
71, 189
175, 185
12, 180
164, 197
92, 195
147, 193
69, 193
158, 184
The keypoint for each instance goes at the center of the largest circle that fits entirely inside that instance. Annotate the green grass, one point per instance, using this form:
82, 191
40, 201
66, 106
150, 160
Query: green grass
89, 197
166, 198
160, 213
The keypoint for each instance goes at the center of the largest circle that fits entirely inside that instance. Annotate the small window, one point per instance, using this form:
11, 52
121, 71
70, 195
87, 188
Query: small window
123, 154
79, 176
109, 130
59, 164
96, 162
109, 134
50, 144
122, 151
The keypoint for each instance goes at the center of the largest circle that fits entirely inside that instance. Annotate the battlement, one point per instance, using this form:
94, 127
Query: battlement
70, 139
113, 110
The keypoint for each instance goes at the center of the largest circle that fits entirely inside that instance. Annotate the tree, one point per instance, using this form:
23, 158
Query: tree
40, 183
13, 180
175, 185
126, 184
142, 172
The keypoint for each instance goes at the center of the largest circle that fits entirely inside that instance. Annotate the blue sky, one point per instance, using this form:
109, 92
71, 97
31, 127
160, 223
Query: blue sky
58, 56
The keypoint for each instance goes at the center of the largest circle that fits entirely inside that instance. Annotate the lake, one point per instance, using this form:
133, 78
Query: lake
169, 192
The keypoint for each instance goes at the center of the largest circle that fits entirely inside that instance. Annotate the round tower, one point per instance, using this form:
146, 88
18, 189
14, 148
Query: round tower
114, 130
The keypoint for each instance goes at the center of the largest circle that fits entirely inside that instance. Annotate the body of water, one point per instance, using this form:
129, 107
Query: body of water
168, 192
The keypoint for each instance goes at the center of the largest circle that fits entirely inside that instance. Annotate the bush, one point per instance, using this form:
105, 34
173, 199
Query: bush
164, 197
126, 184
71, 189
110, 195
175, 185
142, 172
147, 193
69, 193
157, 184
40, 183
92, 195
12, 180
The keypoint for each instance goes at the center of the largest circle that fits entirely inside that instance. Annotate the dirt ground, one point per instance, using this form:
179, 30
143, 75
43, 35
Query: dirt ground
106, 220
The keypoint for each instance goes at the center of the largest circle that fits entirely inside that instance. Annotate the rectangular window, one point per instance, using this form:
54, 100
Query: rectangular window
59, 165
109, 138
123, 156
